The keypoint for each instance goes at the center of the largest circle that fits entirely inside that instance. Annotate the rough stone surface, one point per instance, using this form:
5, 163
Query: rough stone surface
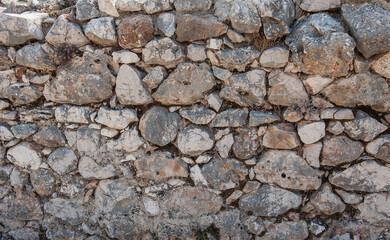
66, 210
245, 17
246, 143
49, 136
325, 201
381, 65
128, 141
294, 230
194, 140
117, 119
236, 59
288, 170
86, 10
274, 57
234, 117
340, 149
108, 7
311, 132
101, 31
375, 209
43, 181
21, 93
73, 114
192, 5
380, 148
153, 79
196, 53
319, 45
281, 136
166, 22
38, 56
316, 83
24, 155
197, 114
24, 130
319, 5
159, 126
135, 31
63, 160
89, 169
163, 51
364, 127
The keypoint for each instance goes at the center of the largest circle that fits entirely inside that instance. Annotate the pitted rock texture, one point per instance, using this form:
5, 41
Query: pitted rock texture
194, 119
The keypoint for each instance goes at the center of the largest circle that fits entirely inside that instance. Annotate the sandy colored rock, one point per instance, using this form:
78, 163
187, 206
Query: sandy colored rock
340, 149
311, 132
281, 136
382, 65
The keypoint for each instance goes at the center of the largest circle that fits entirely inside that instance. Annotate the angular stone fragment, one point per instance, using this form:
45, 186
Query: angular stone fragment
24, 233
236, 59
192, 5
277, 16
288, 170
28, 25
311, 132
380, 148
286, 89
368, 24
364, 127
159, 126
337, 113
315, 83
319, 45
363, 89
349, 197
87, 9
88, 140
135, 31
224, 145
21, 93
160, 167
64, 32
155, 6
368, 176
81, 81
244, 16
311, 153
192, 201
276, 57
233, 117
5, 132
382, 65
23, 130
224, 174
260, 118
246, 89
197, 114
20, 208
222, 9
37, 56
325, 201
43, 181
192, 27
166, 23
375, 209
128, 141
63, 160
287, 230
270, 201
125, 56
101, 31
281, 136
340, 149
194, 140
230, 225
116, 119
196, 52
246, 143
156, 75
185, 86
50, 136
130, 89
129, 5
25, 155
163, 51
66, 210
73, 114
108, 7
319, 5
89, 169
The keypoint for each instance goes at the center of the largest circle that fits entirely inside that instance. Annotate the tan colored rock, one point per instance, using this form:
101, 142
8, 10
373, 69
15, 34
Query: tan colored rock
327, 202
135, 31
316, 83
375, 209
281, 136
382, 65
311, 132
340, 149
380, 148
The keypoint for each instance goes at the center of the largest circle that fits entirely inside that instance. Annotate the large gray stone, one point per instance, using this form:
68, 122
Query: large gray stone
340, 149
244, 16
63, 160
37, 56
87, 9
166, 23
155, 6
375, 209
369, 25
233, 117
236, 59
101, 31
319, 45
163, 51
185, 86
25, 155
193, 140
21, 93
364, 127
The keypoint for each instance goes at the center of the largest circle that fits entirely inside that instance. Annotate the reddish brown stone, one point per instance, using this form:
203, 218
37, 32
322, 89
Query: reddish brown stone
192, 28
135, 31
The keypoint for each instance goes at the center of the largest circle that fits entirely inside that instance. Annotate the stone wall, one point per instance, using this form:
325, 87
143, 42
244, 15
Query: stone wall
194, 119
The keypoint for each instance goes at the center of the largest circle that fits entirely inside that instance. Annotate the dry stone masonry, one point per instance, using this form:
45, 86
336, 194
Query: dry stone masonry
195, 119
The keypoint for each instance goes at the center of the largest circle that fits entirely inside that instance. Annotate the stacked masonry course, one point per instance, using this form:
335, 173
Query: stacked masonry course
194, 119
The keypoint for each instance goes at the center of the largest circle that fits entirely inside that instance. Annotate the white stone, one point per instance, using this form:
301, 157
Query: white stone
108, 132
319, 5
335, 127
204, 159
311, 132
166, 23
315, 83
89, 169
311, 153
214, 101
128, 141
274, 57
24, 155
224, 145
72, 114
194, 140
129, 5
5, 133
214, 44
196, 52
197, 176
125, 56
108, 7
117, 119
101, 31
151, 206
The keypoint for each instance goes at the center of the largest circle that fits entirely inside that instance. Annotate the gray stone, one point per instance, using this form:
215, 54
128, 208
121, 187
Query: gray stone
270, 201
129, 5
375, 209
222, 9
89, 169
166, 23
50, 136
66, 210
368, 176
197, 114
193, 140
245, 17
128, 141
5, 132
129, 87
10, 208
159, 126
85, 79
221, 74
87, 9
319, 5
319, 45
236, 59
108, 7
37, 56
116, 119
224, 173
380, 147
246, 143
349, 197
281, 136
101, 31
340, 149
28, 25
311, 153
153, 79
73, 114
162, 51
311, 132
196, 52
185, 86
125, 56
230, 225
325, 201
24, 233
160, 167
316, 83
276, 57
286, 89
155, 6
88, 140
381, 65
23, 130
43, 181
368, 24
21, 93
233, 117
363, 89
288, 170
337, 113
246, 89
193, 5
364, 127
25, 155
287, 230
224, 145
277, 16
257, 118
235, 37
63, 160
64, 32
7, 78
